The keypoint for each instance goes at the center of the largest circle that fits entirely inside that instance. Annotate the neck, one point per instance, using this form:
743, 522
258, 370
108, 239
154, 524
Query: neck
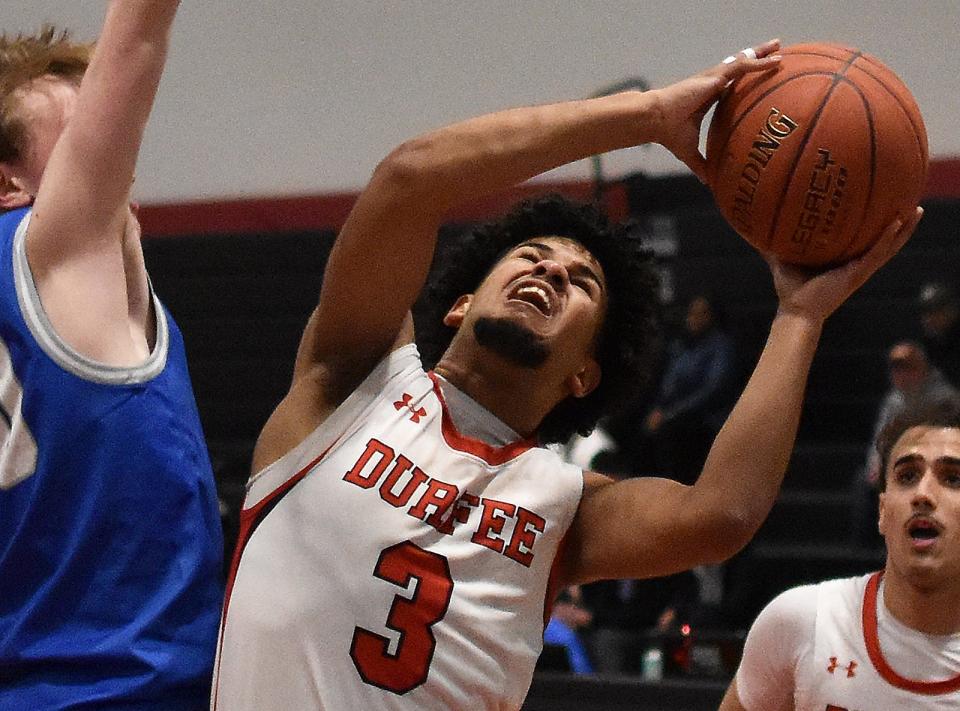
516, 395
931, 609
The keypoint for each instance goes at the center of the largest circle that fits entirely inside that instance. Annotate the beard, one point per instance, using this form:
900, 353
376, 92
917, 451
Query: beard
511, 341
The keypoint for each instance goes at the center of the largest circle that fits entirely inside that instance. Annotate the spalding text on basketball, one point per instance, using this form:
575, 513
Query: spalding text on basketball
777, 127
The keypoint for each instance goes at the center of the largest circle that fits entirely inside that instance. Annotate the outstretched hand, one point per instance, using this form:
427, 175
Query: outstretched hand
817, 295
684, 104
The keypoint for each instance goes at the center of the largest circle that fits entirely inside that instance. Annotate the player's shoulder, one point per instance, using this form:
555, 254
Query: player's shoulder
798, 606
795, 606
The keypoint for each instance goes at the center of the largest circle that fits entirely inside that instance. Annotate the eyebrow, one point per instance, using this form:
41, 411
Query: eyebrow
907, 458
584, 269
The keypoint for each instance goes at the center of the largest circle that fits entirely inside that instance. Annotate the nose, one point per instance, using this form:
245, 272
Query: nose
553, 271
924, 495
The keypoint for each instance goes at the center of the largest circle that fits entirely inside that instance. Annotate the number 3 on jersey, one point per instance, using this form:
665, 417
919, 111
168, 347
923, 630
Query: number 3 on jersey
18, 454
407, 668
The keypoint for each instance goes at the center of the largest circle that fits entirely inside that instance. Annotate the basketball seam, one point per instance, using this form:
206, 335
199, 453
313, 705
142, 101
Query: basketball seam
916, 135
896, 97
764, 95
788, 178
842, 255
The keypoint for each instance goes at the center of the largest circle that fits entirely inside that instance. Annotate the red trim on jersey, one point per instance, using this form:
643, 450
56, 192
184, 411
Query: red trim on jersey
250, 519
493, 456
928, 688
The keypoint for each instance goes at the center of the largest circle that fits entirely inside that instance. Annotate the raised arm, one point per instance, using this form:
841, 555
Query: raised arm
647, 527
380, 260
76, 240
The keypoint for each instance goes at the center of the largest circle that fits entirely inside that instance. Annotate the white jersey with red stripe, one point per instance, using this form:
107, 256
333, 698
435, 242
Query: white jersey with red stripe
835, 647
389, 562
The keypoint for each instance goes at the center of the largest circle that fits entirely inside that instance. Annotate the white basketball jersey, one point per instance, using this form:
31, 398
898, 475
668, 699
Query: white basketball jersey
388, 562
846, 669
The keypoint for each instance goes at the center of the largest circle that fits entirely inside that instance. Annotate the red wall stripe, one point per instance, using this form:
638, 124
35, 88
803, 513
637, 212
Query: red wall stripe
282, 214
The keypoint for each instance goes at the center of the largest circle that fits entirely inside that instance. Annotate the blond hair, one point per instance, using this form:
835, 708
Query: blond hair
25, 59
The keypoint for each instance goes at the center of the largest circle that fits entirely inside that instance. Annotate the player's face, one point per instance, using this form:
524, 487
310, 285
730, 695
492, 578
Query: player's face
920, 509
46, 108
552, 290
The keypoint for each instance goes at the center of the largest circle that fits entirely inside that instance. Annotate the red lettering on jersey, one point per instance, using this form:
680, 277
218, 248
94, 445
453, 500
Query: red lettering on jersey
491, 522
524, 536
438, 494
450, 507
460, 513
399, 469
355, 475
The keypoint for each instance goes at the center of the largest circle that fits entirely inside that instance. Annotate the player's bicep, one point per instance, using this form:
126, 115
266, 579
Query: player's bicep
636, 528
84, 298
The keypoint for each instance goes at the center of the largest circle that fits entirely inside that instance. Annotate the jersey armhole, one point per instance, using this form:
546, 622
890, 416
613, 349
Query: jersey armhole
398, 365
46, 337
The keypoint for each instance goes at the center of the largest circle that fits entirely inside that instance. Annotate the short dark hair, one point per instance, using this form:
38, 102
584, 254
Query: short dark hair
942, 412
628, 338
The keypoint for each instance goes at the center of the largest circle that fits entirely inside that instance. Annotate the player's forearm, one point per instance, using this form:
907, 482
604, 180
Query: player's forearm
495, 151
116, 96
747, 462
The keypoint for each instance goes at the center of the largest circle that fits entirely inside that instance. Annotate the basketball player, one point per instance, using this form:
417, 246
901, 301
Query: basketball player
404, 530
885, 641
111, 543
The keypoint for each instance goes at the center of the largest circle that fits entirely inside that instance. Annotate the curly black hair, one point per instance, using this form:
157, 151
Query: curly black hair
629, 338
940, 412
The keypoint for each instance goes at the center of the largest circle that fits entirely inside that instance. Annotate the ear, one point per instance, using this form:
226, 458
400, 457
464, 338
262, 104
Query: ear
881, 519
585, 380
455, 315
12, 194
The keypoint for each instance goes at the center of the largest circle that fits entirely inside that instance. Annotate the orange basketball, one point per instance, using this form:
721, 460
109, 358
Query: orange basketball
810, 161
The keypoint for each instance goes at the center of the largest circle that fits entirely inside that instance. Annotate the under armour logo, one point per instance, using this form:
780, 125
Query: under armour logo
850, 667
415, 415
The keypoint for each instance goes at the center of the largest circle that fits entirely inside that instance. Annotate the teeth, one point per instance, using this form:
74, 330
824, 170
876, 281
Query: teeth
538, 292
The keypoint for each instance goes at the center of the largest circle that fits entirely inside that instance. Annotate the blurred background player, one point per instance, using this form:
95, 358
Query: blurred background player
887, 640
402, 531
940, 328
111, 544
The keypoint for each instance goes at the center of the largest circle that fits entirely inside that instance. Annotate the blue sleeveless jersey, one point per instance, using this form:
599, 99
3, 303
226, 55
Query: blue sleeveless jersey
110, 539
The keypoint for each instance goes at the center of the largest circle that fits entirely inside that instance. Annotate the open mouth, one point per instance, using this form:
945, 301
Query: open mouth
923, 530
540, 297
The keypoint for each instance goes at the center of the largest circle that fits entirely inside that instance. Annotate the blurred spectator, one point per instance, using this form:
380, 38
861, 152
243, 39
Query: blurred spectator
940, 328
568, 616
695, 394
626, 612
623, 612
914, 380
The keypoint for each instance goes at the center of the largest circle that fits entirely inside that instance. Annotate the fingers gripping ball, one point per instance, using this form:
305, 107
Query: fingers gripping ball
812, 160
